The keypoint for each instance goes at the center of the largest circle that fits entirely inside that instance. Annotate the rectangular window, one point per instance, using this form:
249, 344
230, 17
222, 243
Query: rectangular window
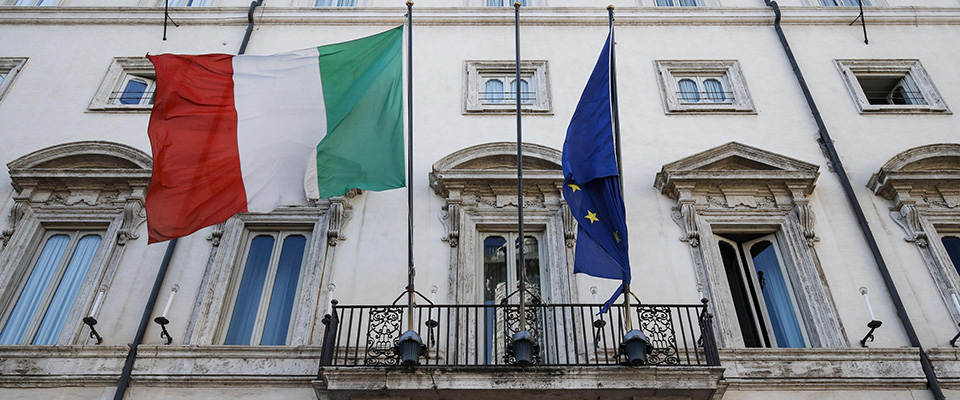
337, 3
492, 87
679, 3
130, 85
50, 289
762, 291
264, 298
501, 280
505, 3
36, 2
9, 67
704, 87
185, 3
891, 86
845, 3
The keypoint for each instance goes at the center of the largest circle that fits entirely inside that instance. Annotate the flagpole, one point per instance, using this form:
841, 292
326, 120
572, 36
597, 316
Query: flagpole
615, 111
411, 271
520, 261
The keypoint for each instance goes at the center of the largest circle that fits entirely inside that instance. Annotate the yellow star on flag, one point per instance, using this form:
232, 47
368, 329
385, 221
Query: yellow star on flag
617, 236
592, 216
574, 186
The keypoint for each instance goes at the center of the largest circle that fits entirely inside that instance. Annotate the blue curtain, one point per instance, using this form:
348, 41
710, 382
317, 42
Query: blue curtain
525, 95
493, 91
776, 295
688, 91
323, 3
33, 291
688, 3
251, 289
714, 90
346, 3
494, 276
664, 3
284, 291
66, 293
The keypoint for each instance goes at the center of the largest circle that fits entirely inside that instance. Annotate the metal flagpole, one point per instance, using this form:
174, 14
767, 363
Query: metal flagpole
520, 262
615, 111
411, 270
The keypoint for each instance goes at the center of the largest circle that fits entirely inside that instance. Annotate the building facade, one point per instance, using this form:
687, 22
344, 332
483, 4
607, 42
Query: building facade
731, 191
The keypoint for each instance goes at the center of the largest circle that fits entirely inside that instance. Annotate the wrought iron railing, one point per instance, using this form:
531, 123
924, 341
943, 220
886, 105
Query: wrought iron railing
479, 335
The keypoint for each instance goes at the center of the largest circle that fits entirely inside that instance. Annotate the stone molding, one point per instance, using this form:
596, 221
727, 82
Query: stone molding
823, 369
727, 71
946, 363
80, 185
387, 16
734, 188
59, 366
922, 186
850, 69
694, 383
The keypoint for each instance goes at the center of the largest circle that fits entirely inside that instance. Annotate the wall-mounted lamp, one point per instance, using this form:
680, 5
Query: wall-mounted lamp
432, 323
873, 324
91, 319
330, 288
162, 319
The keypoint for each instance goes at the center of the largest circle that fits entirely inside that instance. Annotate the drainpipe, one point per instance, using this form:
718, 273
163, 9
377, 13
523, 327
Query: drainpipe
834, 159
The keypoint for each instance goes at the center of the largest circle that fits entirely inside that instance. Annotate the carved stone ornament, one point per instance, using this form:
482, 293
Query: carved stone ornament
340, 211
922, 183
736, 178
216, 234
91, 176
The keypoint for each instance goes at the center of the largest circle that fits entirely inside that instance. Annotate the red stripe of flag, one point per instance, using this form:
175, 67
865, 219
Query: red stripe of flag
193, 132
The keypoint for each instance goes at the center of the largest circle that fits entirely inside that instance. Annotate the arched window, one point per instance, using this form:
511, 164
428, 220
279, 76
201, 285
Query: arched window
492, 91
687, 89
714, 90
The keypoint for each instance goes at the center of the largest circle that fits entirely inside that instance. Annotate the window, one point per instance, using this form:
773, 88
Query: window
35, 2
505, 3
500, 276
890, 86
337, 3
491, 87
706, 87
679, 3
762, 293
59, 269
9, 67
130, 85
751, 240
264, 296
844, 3
185, 3
951, 243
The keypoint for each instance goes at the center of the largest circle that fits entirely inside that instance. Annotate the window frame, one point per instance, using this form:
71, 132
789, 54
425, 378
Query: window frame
477, 73
670, 72
264, 304
512, 278
121, 71
912, 68
10, 67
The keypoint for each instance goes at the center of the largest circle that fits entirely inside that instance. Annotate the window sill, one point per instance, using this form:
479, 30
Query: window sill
508, 110
711, 109
137, 109
898, 109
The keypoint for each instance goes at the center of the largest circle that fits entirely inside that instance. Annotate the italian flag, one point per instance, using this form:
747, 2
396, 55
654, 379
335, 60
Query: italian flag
234, 134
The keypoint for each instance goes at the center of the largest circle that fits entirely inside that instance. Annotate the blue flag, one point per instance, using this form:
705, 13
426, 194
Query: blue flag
591, 183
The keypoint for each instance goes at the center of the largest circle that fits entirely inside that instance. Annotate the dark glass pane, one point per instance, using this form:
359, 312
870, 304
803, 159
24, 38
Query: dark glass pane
284, 291
133, 92
250, 291
531, 260
741, 296
494, 269
952, 244
32, 294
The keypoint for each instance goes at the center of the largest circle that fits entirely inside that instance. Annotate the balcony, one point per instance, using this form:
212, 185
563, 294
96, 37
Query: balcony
468, 352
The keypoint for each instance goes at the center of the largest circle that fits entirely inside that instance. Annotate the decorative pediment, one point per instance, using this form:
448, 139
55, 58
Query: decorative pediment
90, 176
491, 169
90, 160
733, 169
740, 179
926, 175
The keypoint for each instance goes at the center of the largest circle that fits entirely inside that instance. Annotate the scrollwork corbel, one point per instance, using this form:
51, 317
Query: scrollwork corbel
16, 214
685, 216
805, 215
134, 214
909, 219
216, 234
569, 226
453, 224
339, 214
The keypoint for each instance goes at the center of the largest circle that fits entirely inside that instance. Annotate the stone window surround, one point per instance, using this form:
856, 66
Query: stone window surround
55, 188
478, 198
120, 68
669, 70
770, 200
324, 220
11, 66
850, 68
474, 70
924, 201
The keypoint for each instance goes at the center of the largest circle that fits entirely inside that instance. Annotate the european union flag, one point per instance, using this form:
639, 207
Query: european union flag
591, 182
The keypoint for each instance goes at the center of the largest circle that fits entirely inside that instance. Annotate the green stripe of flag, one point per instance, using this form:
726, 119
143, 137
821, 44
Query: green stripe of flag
363, 94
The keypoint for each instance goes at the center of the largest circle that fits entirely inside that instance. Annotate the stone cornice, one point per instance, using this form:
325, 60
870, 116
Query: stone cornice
561, 16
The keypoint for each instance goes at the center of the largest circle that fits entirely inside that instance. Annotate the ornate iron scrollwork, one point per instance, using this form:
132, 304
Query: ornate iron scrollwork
657, 324
383, 330
511, 326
